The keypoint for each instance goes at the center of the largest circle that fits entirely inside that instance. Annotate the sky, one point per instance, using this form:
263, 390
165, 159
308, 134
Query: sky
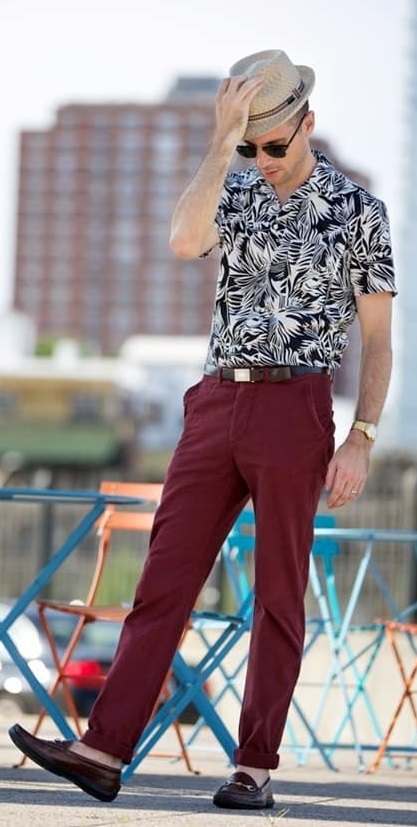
54, 52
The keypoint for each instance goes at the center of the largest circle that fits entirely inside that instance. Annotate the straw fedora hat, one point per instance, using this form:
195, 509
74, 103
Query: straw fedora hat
285, 89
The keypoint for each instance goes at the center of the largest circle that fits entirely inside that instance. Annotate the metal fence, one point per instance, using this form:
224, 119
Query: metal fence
28, 534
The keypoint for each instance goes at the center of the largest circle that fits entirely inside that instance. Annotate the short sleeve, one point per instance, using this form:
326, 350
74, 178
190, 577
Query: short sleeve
371, 260
224, 209
230, 204
219, 219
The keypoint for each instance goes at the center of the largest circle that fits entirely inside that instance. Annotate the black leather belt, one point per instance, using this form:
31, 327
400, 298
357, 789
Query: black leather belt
277, 373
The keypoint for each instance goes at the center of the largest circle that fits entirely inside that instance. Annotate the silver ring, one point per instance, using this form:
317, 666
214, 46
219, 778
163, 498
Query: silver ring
354, 491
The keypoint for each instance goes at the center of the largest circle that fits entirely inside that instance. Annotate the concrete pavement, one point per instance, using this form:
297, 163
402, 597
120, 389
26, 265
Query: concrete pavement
163, 792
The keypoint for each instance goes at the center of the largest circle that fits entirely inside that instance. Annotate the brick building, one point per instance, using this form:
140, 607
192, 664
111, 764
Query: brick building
96, 195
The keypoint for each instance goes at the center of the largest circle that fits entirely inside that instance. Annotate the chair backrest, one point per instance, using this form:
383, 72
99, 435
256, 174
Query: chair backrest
241, 542
238, 547
326, 549
115, 519
141, 519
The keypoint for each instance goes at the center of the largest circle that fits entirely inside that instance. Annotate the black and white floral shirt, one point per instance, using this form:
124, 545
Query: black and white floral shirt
289, 274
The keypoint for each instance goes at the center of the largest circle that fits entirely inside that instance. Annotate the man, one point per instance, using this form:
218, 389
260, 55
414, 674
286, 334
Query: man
303, 250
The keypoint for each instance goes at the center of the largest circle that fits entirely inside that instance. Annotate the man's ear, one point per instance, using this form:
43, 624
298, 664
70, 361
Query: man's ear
310, 122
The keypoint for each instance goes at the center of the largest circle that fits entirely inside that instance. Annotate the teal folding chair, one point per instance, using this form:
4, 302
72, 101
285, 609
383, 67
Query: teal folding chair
237, 560
349, 667
237, 556
191, 681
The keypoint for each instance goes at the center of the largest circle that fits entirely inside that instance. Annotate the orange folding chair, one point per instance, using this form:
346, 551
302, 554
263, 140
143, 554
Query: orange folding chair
395, 630
113, 519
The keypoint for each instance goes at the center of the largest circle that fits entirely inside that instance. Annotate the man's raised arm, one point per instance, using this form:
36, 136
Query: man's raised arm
193, 230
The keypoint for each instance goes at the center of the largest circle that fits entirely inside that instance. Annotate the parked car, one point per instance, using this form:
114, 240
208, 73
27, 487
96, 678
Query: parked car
90, 663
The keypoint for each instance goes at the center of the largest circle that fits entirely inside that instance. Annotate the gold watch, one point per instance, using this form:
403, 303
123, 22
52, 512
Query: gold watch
367, 428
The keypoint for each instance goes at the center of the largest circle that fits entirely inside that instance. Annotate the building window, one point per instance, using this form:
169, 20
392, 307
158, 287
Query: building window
167, 120
58, 316
61, 247
130, 121
38, 141
163, 153
64, 182
33, 246
128, 163
98, 191
31, 272
122, 321
32, 226
101, 138
68, 117
124, 252
157, 244
65, 161
66, 139
126, 187
95, 232
164, 187
33, 204
35, 182
63, 226
60, 293
159, 277
99, 162
99, 120
61, 273
35, 160
129, 142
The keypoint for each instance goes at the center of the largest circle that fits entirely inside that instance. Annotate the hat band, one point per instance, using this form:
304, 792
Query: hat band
295, 95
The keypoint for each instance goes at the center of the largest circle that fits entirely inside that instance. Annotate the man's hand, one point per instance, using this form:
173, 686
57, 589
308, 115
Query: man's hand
348, 470
233, 100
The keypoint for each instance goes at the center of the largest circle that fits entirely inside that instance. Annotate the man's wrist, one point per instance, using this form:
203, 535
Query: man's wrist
222, 146
367, 430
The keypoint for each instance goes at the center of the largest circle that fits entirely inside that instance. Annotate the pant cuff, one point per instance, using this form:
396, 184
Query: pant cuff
261, 760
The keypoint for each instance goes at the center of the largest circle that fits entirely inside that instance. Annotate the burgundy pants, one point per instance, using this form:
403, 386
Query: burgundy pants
268, 441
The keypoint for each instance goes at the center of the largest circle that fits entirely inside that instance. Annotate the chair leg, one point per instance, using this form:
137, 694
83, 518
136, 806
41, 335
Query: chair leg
183, 754
406, 695
60, 679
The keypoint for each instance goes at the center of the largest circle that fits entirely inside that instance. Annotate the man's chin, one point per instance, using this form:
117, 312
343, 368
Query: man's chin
273, 177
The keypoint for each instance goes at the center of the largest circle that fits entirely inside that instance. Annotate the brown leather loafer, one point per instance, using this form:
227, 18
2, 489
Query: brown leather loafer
95, 779
241, 793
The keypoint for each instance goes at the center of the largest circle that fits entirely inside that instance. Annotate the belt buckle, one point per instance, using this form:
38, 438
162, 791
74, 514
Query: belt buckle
241, 375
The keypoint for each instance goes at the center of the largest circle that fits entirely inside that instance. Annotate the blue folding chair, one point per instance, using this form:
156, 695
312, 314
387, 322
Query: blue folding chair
237, 556
239, 542
191, 681
346, 671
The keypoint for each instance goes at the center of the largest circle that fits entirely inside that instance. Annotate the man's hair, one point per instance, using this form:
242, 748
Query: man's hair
300, 113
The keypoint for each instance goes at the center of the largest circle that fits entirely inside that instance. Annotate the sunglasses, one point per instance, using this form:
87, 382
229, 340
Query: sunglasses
273, 150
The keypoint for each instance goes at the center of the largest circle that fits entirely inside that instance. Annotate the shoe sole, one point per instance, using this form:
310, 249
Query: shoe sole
88, 788
228, 805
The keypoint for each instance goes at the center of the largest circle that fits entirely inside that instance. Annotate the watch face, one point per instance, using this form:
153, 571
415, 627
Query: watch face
367, 428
